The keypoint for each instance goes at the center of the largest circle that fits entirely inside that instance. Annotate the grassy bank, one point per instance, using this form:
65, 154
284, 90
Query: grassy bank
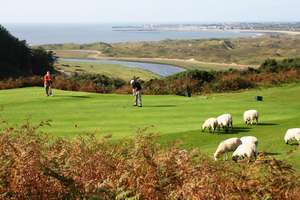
243, 51
190, 64
174, 117
110, 70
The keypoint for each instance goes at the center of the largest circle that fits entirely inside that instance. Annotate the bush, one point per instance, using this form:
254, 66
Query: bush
86, 83
98, 79
233, 84
21, 82
271, 65
36, 166
180, 84
271, 73
202, 76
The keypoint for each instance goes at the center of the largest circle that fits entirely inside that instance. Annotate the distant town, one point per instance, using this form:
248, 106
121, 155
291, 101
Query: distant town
254, 26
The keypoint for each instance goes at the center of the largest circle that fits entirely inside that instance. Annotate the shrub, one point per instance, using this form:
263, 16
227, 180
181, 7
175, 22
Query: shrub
98, 79
271, 73
271, 65
203, 76
233, 84
21, 82
180, 84
36, 166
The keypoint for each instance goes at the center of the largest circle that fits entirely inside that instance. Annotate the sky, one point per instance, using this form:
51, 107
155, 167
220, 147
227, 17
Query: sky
136, 11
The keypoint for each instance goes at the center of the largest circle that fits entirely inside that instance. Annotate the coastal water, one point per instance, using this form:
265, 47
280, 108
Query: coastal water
36, 34
160, 69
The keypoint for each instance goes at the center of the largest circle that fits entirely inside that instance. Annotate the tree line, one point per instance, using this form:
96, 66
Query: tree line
18, 59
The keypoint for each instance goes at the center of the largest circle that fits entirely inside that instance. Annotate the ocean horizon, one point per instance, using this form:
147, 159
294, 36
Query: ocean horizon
50, 33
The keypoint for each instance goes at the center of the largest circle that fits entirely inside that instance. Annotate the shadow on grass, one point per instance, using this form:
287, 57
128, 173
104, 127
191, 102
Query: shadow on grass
160, 106
73, 96
293, 144
235, 130
267, 124
269, 153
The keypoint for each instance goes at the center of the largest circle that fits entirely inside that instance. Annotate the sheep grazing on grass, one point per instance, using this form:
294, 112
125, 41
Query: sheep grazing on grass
292, 134
250, 140
243, 151
225, 121
210, 124
251, 116
226, 146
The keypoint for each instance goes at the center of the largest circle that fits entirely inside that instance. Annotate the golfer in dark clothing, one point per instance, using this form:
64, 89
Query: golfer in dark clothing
137, 92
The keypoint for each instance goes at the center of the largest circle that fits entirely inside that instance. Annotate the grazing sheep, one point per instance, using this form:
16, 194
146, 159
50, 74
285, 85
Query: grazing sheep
249, 140
210, 124
225, 121
292, 134
251, 116
247, 150
227, 146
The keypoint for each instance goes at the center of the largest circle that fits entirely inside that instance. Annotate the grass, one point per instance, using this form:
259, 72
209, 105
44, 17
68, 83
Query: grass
173, 117
189, 64
116, 71
186, 64
244, 51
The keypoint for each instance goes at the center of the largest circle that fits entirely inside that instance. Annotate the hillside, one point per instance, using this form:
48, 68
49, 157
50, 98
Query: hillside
173, 117
244, 51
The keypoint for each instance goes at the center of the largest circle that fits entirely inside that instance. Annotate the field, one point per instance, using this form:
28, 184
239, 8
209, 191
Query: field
115, 71
173, 117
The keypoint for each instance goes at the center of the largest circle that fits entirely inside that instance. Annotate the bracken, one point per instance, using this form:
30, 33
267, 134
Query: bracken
36, 166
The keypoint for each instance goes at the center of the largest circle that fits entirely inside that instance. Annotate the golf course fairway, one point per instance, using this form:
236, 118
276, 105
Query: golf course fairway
172, 117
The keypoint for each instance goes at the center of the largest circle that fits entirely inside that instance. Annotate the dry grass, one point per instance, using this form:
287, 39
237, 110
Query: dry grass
35, 166
246, 51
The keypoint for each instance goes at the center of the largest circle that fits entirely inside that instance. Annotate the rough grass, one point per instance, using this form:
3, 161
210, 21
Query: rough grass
190, 64
248, 51
110, 70
173, 117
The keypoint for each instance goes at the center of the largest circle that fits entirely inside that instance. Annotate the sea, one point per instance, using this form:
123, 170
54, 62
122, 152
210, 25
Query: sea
38, 34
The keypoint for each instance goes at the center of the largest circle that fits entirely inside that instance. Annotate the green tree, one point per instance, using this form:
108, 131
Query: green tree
18, 59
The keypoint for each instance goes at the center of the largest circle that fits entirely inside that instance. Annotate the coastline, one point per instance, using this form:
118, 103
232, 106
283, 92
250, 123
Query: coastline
262, 31
270, 31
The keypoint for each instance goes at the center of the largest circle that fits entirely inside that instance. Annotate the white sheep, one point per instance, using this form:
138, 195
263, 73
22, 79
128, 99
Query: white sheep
226, 146
210, 124
251, 116
292, 134
225, 121
243, 151
249, 140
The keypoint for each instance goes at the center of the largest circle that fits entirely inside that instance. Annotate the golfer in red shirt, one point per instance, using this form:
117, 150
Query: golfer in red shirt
48, 83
